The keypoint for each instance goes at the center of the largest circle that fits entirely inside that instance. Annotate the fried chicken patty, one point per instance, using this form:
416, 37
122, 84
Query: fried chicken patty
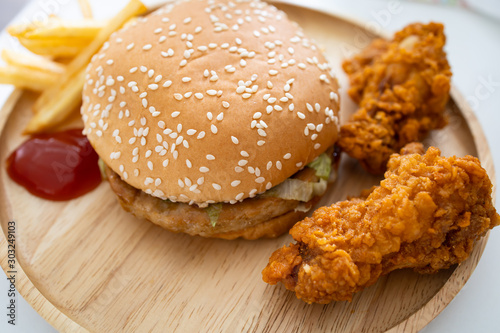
262, 216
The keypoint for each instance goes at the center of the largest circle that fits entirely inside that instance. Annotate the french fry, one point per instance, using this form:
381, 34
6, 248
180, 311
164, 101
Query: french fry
27, 78
32, 61
56, 37
86, 9
55, 27
58, 102
55, 48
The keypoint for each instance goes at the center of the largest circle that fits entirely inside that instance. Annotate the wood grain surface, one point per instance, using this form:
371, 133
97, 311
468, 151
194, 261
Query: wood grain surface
87, 265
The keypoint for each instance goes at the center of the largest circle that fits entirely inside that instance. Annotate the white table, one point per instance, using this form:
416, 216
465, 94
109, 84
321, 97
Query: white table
474, 49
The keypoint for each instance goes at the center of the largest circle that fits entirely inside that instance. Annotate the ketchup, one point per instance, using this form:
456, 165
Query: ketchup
56, 166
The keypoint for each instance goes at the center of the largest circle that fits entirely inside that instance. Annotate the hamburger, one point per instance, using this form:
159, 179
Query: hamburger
214, 118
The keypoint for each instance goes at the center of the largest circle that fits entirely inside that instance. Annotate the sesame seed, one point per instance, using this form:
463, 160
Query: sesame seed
242, 162
317, 107
319, 128
314, 136
153, 86
130, 46
235, 140
269, 109
168, 84
239, 196
186, 79
209, 115
334, 97
183, 63
301, 115
261, 132
177, 96
187, 20
273, 72
260, 180
175, 114
246, 95
216, 186
212, 92
225, 104
147, 47
213, 128
235, 183
278, 108
317, 146
198, 95
162, 39
201, 135
278, 165
309, 107
220, 116
271, 100
150, 165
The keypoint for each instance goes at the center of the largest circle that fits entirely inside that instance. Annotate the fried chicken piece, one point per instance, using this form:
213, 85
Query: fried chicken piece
402, 87
426, 215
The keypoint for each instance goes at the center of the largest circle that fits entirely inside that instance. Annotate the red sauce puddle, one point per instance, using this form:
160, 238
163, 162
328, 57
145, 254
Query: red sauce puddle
56, 166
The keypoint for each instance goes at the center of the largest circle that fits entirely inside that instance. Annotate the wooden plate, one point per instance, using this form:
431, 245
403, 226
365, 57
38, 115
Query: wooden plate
86, 265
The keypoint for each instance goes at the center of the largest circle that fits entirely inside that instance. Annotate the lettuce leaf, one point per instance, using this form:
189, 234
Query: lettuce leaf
102, 168
296, 189
213, 212
322, 165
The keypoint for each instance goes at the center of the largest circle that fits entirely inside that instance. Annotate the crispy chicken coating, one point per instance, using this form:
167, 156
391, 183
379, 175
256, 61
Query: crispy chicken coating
402, 87
425, 215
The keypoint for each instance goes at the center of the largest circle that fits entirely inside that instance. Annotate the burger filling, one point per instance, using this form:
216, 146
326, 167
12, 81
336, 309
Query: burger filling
297, 194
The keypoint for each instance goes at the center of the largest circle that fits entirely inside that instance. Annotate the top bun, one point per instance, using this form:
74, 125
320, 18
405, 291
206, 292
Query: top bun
210, 101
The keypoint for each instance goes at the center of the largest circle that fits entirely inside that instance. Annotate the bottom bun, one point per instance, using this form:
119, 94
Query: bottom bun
251, 218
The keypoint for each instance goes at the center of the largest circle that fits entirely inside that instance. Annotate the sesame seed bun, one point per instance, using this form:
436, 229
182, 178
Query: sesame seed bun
210, 101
